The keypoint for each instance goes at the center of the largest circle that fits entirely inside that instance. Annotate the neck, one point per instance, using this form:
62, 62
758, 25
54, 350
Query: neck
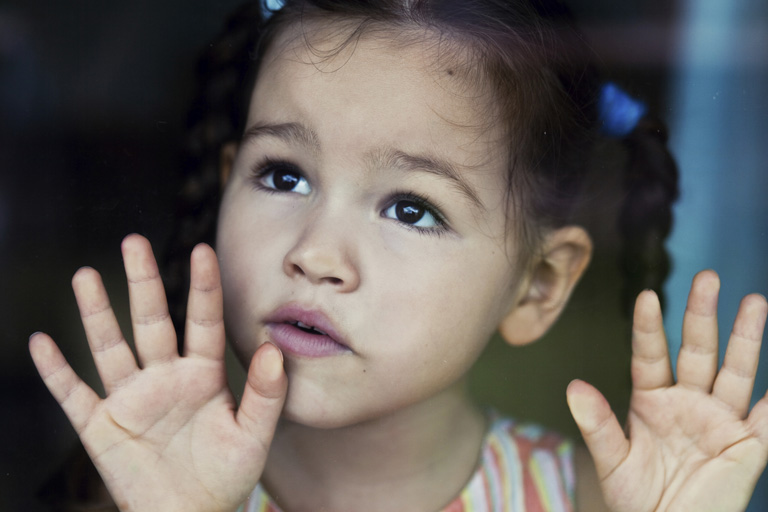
418, 458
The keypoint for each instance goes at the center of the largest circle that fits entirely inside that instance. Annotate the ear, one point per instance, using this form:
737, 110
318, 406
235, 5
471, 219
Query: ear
226, 162
565, 256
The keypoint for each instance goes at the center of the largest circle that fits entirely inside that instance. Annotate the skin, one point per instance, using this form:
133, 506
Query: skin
334, 248
337, 249
693, 444
385, 425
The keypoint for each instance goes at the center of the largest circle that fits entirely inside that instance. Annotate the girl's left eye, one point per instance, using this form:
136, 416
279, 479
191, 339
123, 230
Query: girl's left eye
284, 179
416, 213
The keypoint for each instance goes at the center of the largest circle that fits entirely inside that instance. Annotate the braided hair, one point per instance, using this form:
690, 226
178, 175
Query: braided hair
539, 67
225, 75
645, 221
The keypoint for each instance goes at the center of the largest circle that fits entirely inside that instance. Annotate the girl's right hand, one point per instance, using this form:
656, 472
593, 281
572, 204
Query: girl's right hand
168, 435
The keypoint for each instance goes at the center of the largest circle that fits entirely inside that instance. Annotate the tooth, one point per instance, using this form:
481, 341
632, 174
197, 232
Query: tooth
305, 326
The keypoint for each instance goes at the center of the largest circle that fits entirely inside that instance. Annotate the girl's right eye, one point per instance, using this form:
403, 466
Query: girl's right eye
283, 178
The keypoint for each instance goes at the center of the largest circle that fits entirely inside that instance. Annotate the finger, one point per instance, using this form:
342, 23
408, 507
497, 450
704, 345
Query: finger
736, 378
153, 330
204, 334
113, 357
697, 361
73, 395
264, 394
598, 426
651, 368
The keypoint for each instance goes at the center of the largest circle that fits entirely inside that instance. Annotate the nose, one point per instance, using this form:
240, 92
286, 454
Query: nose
322, 255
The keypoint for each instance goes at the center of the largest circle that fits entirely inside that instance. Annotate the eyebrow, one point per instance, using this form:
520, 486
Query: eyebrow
432, 165
297, 133
291, 133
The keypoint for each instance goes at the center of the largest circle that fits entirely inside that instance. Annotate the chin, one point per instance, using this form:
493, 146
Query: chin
314, 416
327, 414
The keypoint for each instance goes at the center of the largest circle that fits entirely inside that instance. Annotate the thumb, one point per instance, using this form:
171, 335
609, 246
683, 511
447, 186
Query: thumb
264, 394
602, 433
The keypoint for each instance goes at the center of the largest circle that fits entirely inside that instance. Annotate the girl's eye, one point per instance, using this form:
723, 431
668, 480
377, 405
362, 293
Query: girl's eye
415, 212
284, 179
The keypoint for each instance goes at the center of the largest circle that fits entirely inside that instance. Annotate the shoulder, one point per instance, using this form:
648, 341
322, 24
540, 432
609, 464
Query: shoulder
527, 443
529, 466
544, 464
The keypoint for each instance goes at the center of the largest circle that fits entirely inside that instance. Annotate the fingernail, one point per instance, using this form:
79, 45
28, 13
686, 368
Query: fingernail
269, 365
280, 352
580, 406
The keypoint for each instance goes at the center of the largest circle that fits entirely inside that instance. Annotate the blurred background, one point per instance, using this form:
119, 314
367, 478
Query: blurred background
93, 98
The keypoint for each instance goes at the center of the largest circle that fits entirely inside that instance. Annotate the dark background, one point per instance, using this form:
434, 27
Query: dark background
93, 97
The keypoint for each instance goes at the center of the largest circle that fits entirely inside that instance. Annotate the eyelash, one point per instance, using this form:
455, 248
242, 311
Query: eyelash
269, 165
429, 206
266, 166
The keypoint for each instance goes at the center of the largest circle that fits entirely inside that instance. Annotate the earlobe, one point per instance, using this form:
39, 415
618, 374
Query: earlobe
566, 254
226, 162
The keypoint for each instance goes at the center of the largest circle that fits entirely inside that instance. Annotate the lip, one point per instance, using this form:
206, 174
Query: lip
293, 340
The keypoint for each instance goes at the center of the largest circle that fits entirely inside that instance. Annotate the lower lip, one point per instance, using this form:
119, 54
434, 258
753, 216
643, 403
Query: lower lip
293, 340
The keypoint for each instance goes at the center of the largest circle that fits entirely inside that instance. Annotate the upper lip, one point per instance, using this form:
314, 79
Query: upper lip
293, 313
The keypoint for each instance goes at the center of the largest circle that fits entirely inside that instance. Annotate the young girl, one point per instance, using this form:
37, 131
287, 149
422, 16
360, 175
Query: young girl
402, 186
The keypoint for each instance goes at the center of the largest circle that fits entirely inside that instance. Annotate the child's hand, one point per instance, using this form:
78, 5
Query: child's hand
167, 436
694, 444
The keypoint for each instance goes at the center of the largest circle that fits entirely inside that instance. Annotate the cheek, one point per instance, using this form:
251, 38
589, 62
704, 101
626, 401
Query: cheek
247, 264
452, 303
248, 238
238, 259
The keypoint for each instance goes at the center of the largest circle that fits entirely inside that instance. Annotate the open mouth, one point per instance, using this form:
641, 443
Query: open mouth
305, 332
308, 328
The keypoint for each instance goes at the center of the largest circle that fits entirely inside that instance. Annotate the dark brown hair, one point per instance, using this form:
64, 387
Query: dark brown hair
545, 90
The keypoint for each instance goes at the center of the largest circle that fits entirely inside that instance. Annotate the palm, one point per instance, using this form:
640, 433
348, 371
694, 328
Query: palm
177, 436
169, 429
691, 444
684, 445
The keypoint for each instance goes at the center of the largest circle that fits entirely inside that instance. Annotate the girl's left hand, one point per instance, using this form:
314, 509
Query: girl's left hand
693, 444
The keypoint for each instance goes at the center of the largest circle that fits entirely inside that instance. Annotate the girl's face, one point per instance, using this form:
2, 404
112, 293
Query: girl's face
366, 200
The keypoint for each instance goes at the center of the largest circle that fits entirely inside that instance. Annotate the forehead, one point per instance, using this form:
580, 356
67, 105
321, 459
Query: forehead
410, 78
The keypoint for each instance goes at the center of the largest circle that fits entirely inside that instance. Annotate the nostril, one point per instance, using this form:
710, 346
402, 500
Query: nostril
320, 266
299, 271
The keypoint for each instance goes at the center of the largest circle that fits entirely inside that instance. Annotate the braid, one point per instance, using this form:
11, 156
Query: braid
217, 116
651, 187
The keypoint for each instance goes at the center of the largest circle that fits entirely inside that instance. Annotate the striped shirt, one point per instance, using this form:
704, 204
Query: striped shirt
522, 468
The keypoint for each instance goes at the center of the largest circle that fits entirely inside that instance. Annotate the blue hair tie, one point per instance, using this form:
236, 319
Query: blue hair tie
270, 7
619, 112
